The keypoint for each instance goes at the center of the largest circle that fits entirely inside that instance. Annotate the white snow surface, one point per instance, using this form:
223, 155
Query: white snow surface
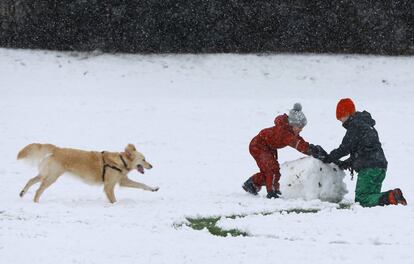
309, 178
193, 118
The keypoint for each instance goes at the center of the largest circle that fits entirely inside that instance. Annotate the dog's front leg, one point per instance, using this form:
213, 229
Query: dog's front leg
109, 191
126, 182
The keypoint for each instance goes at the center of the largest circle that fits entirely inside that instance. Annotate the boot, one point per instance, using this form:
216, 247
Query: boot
393, 197
249, 187
397, 197
273, 194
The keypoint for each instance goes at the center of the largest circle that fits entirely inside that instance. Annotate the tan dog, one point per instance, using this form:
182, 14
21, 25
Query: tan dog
108, 168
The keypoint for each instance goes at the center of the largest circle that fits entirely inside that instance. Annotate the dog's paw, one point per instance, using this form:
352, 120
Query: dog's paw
155, 189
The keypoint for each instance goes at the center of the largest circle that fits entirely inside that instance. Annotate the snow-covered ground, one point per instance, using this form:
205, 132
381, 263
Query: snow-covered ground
193, 118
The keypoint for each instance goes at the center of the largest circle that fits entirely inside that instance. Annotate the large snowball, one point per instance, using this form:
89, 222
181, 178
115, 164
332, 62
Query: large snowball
309, 179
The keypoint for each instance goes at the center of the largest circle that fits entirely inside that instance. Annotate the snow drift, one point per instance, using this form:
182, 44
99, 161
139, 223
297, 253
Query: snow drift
309, 179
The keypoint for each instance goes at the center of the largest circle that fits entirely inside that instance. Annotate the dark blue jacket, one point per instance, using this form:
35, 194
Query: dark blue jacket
361, 142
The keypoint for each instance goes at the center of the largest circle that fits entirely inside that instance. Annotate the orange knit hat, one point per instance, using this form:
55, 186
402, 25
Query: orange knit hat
345, 107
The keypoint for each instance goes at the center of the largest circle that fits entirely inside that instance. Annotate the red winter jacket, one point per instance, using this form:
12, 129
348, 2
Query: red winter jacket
281, 135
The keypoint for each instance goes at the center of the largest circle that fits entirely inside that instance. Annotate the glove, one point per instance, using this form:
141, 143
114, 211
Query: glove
273, 194
318, 152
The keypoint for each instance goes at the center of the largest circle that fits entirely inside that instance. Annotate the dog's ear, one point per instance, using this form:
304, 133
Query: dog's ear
129, 151
130, 148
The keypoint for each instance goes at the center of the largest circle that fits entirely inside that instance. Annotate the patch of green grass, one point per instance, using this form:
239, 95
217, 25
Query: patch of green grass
345, 205
211, 224
288, 211
301, 211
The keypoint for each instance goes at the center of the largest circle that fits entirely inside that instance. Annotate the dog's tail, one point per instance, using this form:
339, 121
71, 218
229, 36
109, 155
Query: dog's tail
35, 153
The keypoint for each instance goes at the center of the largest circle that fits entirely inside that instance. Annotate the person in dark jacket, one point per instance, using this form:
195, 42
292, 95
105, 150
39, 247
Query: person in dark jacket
264, 146
367, 157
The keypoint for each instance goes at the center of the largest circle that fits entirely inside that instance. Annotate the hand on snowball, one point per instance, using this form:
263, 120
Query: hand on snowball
318, 152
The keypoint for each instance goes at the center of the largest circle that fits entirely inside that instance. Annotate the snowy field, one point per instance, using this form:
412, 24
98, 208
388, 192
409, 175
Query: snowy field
193, 117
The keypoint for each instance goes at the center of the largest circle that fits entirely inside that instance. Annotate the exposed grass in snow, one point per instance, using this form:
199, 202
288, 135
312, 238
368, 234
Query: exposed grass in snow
345, 205
210, 223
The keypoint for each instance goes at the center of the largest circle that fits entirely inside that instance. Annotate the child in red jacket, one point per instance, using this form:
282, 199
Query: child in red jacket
264, 146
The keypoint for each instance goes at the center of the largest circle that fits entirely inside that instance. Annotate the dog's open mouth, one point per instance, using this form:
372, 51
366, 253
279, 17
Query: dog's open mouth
140, 169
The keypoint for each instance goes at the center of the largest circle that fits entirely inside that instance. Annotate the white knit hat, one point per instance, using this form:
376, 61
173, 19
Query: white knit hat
296, 117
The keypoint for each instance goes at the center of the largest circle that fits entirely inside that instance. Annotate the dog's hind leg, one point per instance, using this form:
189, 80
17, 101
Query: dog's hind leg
50, 171
29, 184
109, 191
126, 182
46, 182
